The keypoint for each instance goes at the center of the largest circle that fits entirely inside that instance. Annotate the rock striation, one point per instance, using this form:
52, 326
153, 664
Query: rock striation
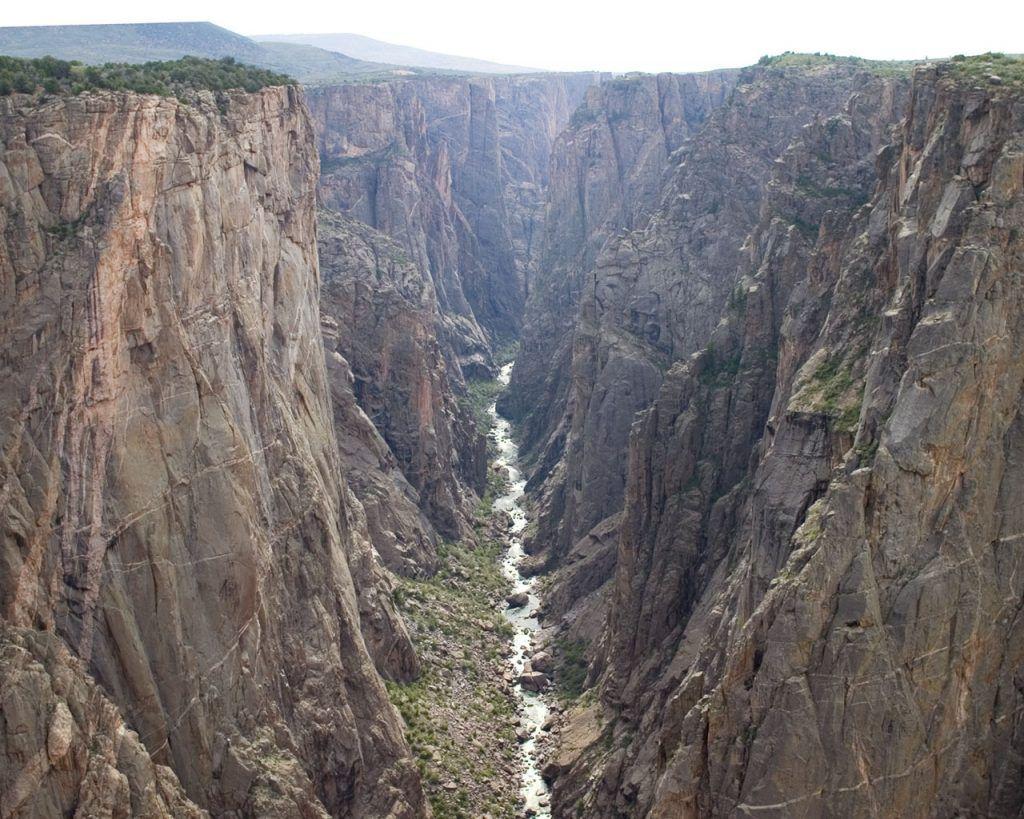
432, 194
65, 748
174, 510
605, 176
454, 169
413, 454
815, 607
653, 295
768, 389
607, 172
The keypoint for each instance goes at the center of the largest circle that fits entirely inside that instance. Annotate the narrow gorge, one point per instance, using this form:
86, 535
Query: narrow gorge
552, 445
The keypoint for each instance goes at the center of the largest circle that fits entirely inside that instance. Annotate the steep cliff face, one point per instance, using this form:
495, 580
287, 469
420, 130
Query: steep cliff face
607, 170
816, 609
654, 295
173, 503
380, 316
64, 749
606, 175
454, 170
449, 176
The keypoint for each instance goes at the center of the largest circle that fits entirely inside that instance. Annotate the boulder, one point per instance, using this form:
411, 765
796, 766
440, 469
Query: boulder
543, 662
533, 681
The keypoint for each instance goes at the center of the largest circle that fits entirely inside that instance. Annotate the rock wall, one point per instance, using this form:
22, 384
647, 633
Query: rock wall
454, 169
65, 750
816, 602
606, 174
173, 505
653, 295
410, 451
433, 194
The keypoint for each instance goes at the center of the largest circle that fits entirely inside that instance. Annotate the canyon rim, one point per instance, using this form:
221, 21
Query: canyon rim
395, 434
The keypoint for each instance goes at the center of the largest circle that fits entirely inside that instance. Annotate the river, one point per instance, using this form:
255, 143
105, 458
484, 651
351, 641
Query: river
533, 708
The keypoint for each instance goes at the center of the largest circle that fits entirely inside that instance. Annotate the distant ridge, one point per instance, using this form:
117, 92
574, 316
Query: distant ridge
143, 42
366, 48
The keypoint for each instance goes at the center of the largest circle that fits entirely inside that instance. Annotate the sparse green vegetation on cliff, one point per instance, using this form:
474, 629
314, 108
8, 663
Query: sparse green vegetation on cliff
992, 67
792, 59
173, 78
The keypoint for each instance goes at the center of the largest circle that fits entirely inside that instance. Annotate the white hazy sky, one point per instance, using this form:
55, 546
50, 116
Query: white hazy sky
645, 35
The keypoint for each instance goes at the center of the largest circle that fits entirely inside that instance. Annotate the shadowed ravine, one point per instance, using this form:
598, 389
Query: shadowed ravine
533, 709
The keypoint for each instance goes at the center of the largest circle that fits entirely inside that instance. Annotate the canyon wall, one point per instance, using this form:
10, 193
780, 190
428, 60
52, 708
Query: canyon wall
644, 298
174, 510
420, 452
816, 603
606, 174
433, 195
454, 169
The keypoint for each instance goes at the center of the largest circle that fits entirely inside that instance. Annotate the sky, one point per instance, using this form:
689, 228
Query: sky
625, 35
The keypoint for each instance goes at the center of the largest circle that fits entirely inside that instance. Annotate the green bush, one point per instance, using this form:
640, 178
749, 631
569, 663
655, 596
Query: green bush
172, 78
1007, 67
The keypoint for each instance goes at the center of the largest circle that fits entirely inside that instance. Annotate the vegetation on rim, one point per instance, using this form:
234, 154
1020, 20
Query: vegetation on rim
49, 75
993, 67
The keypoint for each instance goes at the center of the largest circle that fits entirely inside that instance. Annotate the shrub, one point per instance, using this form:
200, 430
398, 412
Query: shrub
170, 78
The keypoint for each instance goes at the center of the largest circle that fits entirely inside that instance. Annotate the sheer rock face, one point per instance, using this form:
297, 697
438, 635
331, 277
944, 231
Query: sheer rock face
653, 295
433, 195
172, 499
454, 169
65, 749
606, 174
409, 449
817, 600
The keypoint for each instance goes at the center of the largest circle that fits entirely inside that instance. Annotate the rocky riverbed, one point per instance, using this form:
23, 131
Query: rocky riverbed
530, 667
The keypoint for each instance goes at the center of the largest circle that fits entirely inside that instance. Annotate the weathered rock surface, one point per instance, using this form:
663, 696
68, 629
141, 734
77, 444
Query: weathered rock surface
454, 169
380, 315
817, 592
65, 749
173, 504
533, 681
605, 176
654, 295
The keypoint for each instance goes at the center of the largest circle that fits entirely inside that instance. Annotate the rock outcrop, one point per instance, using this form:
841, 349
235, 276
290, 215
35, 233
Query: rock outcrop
816, 605
454, 169
65, 750
173, 505
421, 454
653, 296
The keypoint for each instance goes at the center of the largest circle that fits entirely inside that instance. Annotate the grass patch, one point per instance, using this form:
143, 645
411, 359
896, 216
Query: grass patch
719, 368
480, 394
571, 671
459, 721
793, 59
809, 188
831, 390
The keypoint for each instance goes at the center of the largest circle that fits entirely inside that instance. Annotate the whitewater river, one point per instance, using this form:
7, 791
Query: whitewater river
533, 708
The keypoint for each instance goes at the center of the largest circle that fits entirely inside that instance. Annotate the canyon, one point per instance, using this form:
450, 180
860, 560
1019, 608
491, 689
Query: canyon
516, 445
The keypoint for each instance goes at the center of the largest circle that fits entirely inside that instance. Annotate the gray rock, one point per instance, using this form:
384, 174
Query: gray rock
543, 662
533, 681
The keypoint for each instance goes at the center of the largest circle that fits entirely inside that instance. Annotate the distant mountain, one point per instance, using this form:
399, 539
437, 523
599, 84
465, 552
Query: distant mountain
136, 43
366, 48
